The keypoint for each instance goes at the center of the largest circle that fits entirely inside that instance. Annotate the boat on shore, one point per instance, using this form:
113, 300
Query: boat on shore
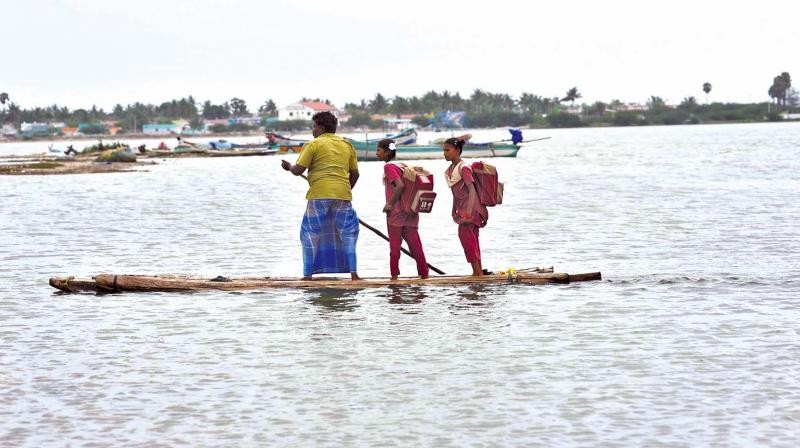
108, 283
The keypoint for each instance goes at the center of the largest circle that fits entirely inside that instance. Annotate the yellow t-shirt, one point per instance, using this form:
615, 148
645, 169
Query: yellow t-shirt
329, 159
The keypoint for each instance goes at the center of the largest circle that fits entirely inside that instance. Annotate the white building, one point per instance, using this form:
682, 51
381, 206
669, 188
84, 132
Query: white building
304, 110
160, 129
9, 130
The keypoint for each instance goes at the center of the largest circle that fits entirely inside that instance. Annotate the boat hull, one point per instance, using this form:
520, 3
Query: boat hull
428, 152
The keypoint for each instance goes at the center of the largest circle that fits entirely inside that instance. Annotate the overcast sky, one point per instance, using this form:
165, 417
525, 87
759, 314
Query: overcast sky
83, 52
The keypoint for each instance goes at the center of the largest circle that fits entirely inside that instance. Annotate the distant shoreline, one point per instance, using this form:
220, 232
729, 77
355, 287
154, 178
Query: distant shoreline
341, 130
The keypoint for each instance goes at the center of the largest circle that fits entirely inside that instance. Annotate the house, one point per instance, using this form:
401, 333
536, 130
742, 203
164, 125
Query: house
253, 120
208, 124
31, 129
8, 130
304, 110
631, 107
396, 122
69, 132
160, 129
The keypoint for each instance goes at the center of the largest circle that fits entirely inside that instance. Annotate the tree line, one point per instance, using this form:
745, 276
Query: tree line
132, 116
483, 108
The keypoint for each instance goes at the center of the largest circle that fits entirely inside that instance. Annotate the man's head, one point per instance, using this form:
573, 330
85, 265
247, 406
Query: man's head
324, 122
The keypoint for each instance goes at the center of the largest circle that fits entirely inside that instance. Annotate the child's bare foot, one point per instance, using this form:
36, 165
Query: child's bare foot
423, 277
307, 278
477, 269
354, 276
394, 277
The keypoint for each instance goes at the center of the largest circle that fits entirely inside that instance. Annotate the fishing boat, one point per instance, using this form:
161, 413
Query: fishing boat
366, 152
289, 145
250, 146
242, 152
105, 283
407, 137
285, 144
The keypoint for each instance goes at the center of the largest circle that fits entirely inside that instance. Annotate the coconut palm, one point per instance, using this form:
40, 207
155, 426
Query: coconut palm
572, 95
780, 87
786, 83
706, 89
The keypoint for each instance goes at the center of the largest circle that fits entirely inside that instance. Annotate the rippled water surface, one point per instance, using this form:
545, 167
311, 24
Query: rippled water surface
691, 339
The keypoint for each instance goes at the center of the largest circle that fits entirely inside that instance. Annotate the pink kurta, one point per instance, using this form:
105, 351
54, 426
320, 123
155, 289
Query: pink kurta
402, 226
397, 217
460, 191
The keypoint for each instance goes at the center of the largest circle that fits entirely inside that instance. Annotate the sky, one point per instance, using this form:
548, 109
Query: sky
80, 53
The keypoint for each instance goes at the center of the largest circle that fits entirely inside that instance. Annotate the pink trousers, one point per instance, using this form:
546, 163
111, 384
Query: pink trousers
396, 236
468, 234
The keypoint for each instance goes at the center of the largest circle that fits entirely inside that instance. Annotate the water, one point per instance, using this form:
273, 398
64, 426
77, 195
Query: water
690, 340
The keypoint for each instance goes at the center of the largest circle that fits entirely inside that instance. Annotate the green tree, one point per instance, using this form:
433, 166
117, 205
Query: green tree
530, 104
400, 105
785, 84
378, 104
779, 88
656, 103
597, 109
571, 95
3, 97
239, 107
215, 111
268, 109
689, 104
359, 119
707, 89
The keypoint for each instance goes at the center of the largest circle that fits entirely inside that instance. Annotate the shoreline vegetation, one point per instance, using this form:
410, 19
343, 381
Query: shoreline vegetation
433, 110
48, 165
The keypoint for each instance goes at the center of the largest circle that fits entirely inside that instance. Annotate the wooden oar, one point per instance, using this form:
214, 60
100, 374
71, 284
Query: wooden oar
380, 234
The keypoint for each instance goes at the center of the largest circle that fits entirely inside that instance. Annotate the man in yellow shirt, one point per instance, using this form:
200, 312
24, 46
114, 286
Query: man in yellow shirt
329, 230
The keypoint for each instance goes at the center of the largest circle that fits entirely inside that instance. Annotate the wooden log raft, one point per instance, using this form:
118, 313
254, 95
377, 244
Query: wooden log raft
104, 283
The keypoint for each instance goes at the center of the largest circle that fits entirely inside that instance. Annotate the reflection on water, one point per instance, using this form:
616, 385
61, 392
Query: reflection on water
474, 296
333, 300
406, 295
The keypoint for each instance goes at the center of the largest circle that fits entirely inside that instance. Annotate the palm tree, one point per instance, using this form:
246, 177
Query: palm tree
780, 87
572, 95
786, 83
706, 89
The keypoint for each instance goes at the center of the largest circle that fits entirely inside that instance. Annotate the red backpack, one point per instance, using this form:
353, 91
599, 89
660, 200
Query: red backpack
490, 190
418, 194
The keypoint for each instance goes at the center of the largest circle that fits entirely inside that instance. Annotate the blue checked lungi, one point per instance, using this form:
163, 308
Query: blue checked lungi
329, 233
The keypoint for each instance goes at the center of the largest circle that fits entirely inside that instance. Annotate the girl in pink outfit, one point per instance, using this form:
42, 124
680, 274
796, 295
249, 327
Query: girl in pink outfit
402, 225
468, 212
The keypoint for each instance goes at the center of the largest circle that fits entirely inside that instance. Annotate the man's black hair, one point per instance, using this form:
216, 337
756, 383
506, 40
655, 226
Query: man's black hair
326, 120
